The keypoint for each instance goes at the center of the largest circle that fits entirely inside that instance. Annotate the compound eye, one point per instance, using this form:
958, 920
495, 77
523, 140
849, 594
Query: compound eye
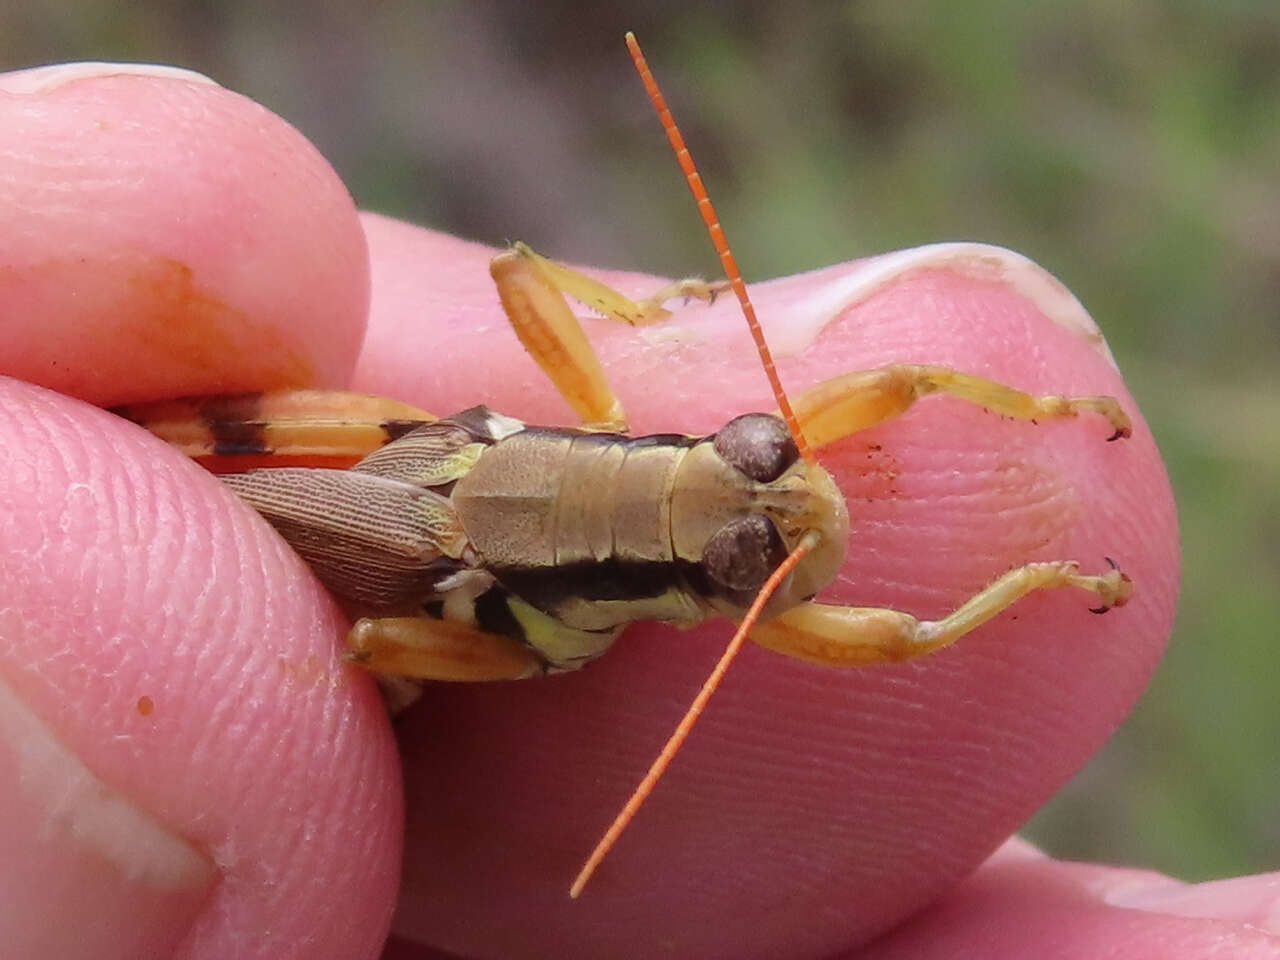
758, 445
740, 557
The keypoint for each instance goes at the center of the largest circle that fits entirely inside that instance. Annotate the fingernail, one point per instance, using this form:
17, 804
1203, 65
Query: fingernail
1253, 900
87, 873
977, 260
44, 79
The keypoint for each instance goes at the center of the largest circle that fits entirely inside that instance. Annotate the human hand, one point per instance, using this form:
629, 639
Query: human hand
812, 810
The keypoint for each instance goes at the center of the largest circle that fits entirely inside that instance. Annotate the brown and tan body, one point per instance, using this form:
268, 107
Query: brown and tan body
556, 538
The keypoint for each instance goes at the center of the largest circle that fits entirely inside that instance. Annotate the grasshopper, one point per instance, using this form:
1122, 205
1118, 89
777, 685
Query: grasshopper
478, 547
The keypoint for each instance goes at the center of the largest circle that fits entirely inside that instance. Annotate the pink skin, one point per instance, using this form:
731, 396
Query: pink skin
196, 204
130, 579
813, 810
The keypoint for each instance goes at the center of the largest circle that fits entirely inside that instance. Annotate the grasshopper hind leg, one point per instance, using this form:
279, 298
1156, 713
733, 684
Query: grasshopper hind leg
286, 428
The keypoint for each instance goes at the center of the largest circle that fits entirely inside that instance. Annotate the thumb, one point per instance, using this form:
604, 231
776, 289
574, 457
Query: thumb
186, 767
166, 237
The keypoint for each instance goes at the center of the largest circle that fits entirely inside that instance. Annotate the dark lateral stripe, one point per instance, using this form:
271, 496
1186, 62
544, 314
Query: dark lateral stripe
494, 616
546, 587
612, 579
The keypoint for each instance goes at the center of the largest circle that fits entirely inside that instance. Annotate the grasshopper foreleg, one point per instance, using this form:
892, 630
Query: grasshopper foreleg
427, 648
532, 290
844, 405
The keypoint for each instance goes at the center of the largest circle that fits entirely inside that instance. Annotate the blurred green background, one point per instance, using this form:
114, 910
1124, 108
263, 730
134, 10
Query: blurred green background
1132, 148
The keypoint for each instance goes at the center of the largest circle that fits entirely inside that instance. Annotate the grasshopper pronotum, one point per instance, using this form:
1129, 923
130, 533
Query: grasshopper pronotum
476, 547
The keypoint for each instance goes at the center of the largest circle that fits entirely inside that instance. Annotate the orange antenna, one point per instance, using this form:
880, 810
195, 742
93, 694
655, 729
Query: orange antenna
727, 259
677, 739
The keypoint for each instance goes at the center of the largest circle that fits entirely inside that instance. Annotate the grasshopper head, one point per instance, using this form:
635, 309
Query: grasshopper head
744, 502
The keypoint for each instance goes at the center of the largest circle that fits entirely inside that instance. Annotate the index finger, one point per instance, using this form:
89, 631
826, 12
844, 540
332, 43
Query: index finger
167, 237
812, 806
180, 670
